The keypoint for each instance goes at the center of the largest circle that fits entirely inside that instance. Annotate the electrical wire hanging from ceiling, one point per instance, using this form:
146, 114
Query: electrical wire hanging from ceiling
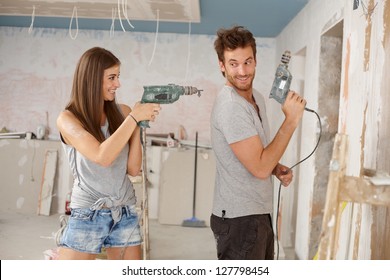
189, 46
155, 38
113, 16
188, 51
74, 15
32, 21
123, 3
124, 8
119, 16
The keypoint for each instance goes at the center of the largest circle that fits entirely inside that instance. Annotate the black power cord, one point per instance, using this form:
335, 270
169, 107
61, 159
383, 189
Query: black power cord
280, 185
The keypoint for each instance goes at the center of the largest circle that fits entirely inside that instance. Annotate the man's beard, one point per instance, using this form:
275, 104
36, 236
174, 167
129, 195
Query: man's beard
239, 86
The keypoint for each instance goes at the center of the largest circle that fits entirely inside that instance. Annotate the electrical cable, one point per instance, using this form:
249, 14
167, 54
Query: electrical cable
74, 15
124, 7
188, 51
156, 36
140, 215
119, 16
280, 185
113, 16
32, 21
189, 45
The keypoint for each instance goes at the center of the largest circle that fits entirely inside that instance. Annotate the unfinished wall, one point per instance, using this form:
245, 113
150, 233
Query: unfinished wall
304, 33
383, 163
22, 166
37, 73
363, 116
384, 122
328, 98
365, 120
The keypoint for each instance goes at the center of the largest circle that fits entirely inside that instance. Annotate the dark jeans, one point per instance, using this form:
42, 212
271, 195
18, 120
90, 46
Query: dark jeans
244, 238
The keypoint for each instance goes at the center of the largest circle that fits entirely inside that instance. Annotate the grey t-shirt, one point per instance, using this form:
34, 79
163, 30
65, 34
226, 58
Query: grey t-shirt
237, 191
95, 186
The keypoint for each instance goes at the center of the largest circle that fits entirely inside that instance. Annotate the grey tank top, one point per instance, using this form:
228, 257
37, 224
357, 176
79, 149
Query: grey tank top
95, 186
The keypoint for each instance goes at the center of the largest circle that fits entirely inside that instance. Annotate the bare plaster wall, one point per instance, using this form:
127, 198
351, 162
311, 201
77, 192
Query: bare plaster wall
364, 117
304, 33
363, 113
36, 72
22, 165
328, 98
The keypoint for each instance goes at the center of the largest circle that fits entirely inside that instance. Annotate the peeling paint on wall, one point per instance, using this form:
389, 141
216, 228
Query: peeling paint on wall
358, 226
367, 46
380, 229
364, 114
346, 89
383, 162
363, 140
386, 23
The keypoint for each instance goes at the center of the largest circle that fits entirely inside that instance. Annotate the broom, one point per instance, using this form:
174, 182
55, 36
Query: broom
194, 222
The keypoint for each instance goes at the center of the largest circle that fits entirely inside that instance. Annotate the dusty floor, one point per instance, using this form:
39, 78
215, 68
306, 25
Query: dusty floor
32, 237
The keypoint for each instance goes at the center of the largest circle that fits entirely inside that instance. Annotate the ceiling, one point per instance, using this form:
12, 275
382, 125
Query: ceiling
265, 18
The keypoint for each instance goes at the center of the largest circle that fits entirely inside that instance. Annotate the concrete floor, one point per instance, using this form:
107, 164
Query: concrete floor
27, 237
32, 237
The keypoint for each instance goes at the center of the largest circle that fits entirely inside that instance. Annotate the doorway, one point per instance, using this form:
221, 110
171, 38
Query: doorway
328, 109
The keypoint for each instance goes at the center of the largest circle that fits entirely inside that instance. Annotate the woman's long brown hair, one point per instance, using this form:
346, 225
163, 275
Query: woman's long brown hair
86, 101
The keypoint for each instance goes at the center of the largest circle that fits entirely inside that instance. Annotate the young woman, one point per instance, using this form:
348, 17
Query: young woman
102, 143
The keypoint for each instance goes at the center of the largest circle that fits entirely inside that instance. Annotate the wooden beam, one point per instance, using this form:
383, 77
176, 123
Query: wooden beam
47, 185
331, 219
361, 190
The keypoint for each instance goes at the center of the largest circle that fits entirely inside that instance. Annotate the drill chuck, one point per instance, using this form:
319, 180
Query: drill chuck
286, 56
189, 90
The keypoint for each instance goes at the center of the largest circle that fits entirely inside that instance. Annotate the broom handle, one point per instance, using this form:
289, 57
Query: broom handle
195, 171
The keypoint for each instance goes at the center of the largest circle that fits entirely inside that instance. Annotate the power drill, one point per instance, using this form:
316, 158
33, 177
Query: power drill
282, 81
165, 94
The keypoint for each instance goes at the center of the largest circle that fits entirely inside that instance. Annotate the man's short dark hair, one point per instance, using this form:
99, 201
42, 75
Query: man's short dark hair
233, 38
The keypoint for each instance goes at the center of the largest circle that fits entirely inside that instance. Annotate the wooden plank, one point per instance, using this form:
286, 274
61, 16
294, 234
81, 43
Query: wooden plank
49, 172
331, 219
360, 190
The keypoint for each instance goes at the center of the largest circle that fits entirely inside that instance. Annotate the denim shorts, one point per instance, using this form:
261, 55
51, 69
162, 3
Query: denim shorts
89, 230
